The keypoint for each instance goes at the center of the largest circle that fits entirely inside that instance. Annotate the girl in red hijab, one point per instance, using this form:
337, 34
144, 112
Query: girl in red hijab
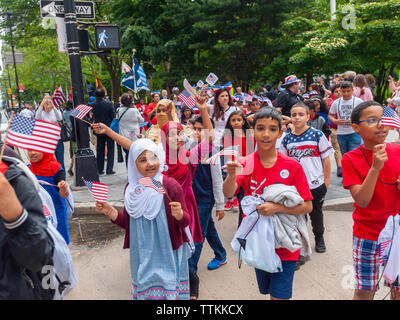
172, 138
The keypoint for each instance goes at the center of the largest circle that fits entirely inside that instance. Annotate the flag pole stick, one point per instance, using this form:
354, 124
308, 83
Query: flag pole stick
90, 123
5, 138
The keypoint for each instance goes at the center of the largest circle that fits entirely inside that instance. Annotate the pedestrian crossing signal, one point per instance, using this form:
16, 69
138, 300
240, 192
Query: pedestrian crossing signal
107, 37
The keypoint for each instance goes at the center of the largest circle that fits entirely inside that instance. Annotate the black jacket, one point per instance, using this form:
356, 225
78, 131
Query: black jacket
286, 99
103, 111
25, 245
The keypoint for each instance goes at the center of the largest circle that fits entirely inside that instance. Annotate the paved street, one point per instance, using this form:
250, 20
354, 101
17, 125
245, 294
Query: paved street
102, 267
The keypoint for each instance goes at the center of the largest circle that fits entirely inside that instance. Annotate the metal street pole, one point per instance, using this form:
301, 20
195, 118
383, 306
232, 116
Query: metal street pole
85, 161
9, 82
333, 9
14, 62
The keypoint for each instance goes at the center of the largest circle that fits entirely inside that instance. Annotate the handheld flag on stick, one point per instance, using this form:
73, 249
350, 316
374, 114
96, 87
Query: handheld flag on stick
225, 152
98, 190
58, 97
390, 117
81, 111
154, 184
187, 99
33, 134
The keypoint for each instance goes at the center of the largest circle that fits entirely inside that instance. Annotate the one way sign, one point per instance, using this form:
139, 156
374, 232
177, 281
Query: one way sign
53, 9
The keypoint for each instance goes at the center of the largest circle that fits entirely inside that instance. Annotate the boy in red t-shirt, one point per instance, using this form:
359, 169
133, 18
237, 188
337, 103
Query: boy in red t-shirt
371, 172
262, 168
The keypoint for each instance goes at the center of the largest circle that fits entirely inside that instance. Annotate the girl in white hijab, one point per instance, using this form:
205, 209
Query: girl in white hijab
154, 224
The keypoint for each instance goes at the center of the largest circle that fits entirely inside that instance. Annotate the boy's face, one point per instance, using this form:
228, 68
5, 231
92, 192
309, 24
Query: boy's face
337, 93
347, 93
299, 117
266, 132
371, 133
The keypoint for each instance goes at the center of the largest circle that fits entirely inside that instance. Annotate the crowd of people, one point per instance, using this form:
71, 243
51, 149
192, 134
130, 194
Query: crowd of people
283, 135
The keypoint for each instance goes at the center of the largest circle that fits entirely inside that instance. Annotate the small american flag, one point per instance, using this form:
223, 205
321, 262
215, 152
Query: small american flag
152, 183
58, 97
98, 190
81, 111
390, 117
187, 99
225, 152
32, 134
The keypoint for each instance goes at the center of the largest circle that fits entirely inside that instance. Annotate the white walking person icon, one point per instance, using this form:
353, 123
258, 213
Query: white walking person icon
102, 38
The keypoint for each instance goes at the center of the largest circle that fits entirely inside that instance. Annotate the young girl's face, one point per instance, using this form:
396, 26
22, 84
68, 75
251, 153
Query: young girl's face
299, 117
236, 122
175, 139
147, 164
266, 132
223, 98
35, 156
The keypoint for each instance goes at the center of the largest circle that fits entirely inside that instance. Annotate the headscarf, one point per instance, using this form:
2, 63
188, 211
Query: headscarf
47, 167
154, 132
175, 168
140, 200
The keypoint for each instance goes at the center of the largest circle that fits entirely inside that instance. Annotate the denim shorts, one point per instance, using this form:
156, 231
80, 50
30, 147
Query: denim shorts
366, 265
280, 284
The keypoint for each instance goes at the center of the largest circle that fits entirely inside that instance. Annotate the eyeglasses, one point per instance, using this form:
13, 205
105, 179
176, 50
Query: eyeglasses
372, 122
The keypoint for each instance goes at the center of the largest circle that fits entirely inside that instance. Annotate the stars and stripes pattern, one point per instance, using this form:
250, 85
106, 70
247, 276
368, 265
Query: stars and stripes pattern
98, 190
58, 97
225, 152
152, 183
381, 248
81, 111
33, 134
390, 117
187, 99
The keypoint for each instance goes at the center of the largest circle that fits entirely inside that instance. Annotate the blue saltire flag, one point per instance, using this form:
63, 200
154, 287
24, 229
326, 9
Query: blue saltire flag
136, 78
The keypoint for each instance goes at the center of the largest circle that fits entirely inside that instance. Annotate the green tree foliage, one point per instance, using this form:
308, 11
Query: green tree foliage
246, 42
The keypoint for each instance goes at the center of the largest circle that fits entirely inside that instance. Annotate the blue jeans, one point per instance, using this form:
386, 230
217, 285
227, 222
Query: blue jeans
59, 153
348, 142
210, 233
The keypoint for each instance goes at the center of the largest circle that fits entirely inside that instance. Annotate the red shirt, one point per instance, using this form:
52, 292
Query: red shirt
287, 171
369, 221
